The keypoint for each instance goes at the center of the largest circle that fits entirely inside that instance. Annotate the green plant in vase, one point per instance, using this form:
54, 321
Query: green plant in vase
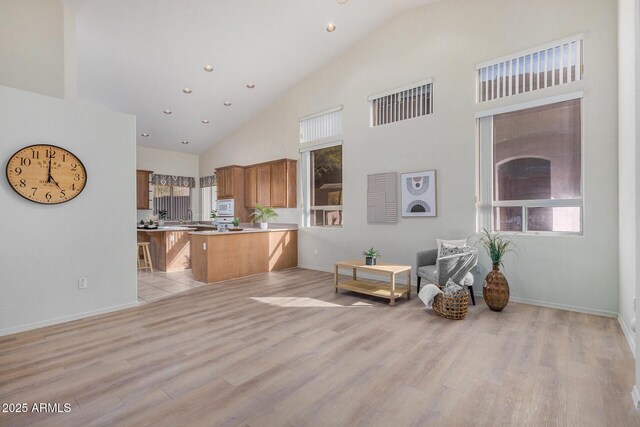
236, 222
263, 214
371, 255
495, 289
213, 215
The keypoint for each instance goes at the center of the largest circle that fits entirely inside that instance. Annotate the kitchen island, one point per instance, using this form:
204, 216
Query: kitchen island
169, 248
217, 256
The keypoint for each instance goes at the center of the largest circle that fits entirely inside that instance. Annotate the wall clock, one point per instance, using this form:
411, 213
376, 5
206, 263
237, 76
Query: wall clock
46, 174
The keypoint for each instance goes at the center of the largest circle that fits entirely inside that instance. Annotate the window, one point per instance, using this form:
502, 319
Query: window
322, 194
401, 104
172, 194
538, 68
534, 156
208, 196
324, 124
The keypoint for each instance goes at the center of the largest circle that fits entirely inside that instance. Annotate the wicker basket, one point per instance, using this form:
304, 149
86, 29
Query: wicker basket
452, 306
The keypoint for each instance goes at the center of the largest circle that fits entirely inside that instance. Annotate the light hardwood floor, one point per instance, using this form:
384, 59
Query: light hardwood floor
281, 349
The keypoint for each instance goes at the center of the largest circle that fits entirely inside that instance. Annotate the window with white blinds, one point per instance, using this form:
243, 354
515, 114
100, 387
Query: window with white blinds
324, 124
401, 104
545, 66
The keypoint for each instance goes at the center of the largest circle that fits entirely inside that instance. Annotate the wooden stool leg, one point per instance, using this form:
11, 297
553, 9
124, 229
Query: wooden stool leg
147, 258
138, 257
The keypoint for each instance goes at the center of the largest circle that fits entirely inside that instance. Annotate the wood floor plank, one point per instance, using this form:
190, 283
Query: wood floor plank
282, 349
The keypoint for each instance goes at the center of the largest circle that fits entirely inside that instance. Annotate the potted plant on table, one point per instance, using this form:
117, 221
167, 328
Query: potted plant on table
236, 224
495, 289
162, 216
261, 215
213, 215
371, 255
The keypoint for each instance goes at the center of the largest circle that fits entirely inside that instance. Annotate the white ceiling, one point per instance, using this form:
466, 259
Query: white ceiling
136, 56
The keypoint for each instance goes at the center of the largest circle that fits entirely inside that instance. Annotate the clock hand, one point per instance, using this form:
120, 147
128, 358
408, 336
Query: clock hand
49, 172
54, 181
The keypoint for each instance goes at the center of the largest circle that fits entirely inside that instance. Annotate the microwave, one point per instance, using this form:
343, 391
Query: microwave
225, 207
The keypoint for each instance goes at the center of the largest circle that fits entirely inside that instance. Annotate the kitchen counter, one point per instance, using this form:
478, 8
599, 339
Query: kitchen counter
217, 256
170, 247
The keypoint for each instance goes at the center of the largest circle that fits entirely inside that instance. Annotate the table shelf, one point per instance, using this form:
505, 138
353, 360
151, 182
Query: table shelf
373, 289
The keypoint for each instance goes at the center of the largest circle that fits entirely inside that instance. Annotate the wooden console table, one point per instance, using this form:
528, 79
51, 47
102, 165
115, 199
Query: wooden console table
375, 289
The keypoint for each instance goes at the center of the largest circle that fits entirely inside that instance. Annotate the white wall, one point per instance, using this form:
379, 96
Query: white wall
32, 46
45, 249
166, 162
626, 158
445, 41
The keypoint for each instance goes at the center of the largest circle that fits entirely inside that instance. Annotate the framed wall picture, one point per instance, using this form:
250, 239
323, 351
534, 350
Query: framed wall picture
419, 193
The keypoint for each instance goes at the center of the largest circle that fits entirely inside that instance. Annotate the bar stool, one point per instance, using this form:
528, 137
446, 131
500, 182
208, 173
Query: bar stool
144, 262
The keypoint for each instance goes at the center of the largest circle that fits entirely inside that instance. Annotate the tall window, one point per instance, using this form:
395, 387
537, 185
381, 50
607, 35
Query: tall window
208, 196
173, 195
325, 195
535, 158
322, 168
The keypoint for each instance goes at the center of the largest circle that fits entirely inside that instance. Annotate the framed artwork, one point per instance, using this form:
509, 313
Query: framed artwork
419, 194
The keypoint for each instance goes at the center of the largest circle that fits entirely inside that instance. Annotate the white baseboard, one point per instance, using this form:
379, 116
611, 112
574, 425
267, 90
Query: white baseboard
64, 319
635, 396
628, 334
478, 293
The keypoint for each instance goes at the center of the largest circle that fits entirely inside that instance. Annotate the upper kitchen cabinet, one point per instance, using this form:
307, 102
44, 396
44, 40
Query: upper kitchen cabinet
271, 184
142, 189
230, 182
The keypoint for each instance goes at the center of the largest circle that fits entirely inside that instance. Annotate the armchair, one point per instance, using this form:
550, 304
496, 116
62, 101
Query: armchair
427, 264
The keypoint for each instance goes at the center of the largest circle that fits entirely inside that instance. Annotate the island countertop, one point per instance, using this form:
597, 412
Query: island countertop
170, 228
246, 230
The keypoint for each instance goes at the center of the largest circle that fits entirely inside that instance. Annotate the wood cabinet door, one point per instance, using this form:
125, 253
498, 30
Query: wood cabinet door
263, 193
279, 184
142, 189
250, 187
225, 183
220, 181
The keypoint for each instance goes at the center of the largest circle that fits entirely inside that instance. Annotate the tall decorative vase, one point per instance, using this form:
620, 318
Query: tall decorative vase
496, 289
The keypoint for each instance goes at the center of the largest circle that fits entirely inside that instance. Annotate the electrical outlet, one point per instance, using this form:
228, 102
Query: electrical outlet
82, 283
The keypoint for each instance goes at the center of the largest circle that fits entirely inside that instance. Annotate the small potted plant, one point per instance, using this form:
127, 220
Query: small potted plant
236, 224
162, 215
262, 215
371, 255
213, 215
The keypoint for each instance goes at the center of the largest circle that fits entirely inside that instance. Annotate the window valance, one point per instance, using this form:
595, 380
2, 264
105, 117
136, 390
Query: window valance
173, 180
208, 181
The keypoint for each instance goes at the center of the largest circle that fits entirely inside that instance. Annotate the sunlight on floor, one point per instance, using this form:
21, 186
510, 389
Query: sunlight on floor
303, 302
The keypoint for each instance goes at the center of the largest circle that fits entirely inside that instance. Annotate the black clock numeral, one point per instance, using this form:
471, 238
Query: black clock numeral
34, 190
23, 183
64, 158
25, 161
74, 167
62, 194
51, 153
76, 177
73, 187
18, 170
35, 154
48, 196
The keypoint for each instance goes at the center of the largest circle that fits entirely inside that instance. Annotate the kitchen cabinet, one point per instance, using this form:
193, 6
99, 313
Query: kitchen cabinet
142, 189
263, 187
231, 186
271, 184
251, 187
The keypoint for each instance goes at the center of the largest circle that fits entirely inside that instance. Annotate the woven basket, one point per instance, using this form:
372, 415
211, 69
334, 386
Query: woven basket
453, 306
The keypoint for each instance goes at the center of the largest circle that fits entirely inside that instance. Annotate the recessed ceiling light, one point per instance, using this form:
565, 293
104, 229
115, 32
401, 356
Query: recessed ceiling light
208, 68
205, 121
227, 103
186, 90
342, 1
167, 111
144, 134
251, 85
185, 142
331, 28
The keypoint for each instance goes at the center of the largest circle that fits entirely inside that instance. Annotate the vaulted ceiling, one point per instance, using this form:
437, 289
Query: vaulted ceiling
137, 56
